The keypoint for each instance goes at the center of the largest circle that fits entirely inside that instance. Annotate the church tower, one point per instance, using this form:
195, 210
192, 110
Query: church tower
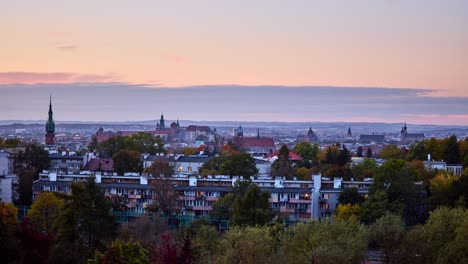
50, 127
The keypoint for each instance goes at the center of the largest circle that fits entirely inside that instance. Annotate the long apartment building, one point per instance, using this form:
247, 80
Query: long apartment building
293, 199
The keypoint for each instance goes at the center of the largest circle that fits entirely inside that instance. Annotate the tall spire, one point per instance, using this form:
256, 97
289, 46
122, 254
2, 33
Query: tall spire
50, 126
258, 133
161, 122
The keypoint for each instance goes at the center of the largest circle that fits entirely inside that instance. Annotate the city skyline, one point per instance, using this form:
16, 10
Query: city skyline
416, 50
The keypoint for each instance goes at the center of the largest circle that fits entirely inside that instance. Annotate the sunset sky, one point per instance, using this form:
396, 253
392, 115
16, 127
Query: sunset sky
221, 47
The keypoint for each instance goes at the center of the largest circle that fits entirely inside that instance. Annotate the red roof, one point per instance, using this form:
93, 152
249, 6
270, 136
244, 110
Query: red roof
292, 156
255, 142
193, 128
100, 164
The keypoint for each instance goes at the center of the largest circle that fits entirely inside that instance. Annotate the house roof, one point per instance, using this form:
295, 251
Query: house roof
255, 142
195, 158
100, 164
292, 156
193, 128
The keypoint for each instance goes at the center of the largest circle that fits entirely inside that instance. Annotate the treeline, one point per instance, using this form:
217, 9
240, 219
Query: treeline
79, 235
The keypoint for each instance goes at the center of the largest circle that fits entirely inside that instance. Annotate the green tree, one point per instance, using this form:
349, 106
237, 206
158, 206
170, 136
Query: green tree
222, 208
369, 153
397, 179
307, 152
344, 156
145, 143
25, 186
35, 158
119, 252
388, 234
245, 245
391, 152
365, 169
350, 196
251, 207
205, 243
127, 161
45, 213
445, 236
376, 206
452, 151
327, 241
86, 223
461, 189
282, 166
239, 164
360, 151
213, 166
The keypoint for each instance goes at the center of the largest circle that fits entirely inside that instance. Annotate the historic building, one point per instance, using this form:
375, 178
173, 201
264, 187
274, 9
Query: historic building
406, 137
50, 127
311, 137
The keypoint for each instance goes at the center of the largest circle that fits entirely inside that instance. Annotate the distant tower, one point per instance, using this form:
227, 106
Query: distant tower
404, 130
258, 133
240, 132
161, 123
50, 127
310, 133
349, 134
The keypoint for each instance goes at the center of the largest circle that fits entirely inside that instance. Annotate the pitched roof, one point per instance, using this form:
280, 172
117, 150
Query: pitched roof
100, 164
254, 142
292, 156
195, 158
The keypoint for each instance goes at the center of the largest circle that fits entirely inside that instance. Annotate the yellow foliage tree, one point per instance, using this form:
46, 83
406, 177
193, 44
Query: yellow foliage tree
45, 212
347, 211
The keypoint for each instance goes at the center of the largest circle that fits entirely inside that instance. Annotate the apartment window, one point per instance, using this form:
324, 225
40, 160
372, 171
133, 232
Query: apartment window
325, 195
180, 168
189, 168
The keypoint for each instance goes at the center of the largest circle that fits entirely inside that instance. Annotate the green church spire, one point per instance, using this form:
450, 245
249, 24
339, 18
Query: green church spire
50, 125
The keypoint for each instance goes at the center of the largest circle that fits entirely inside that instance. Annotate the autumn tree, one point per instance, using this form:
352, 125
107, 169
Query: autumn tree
164, 199
45, 213
348, 212
127, 161
11, 143
120, 252
8, 227
442, 189
391, 152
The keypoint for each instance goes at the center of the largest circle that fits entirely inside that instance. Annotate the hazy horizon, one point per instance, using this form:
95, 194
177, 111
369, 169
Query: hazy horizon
131, 102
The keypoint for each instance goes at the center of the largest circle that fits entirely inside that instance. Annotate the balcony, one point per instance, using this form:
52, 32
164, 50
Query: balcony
299, 201
202, 208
